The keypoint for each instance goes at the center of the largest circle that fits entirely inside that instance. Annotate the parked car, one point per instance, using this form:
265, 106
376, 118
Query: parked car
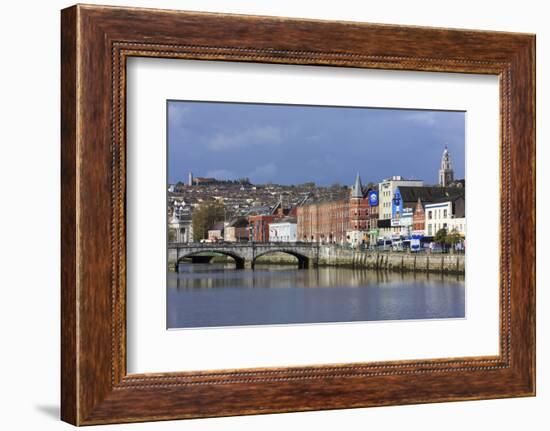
383, 244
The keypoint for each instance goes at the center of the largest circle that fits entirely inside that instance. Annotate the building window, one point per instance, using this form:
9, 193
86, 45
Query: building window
429, 215
445, 213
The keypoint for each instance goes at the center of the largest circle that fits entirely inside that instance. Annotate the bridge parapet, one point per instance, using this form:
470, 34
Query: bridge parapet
306, 253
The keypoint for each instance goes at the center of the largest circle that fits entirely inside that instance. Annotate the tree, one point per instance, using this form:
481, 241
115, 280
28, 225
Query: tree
453, 238
441, 236
205, 216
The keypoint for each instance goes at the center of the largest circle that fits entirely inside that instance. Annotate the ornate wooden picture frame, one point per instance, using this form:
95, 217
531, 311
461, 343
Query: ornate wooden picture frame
96, 41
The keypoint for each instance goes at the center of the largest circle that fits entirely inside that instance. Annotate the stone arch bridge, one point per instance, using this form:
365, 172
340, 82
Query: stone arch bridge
243, 253
314, 254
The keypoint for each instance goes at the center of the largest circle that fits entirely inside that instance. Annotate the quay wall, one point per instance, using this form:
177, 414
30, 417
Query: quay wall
393, 261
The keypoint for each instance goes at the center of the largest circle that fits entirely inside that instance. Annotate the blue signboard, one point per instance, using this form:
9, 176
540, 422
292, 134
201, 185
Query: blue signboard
397, 205
373, 198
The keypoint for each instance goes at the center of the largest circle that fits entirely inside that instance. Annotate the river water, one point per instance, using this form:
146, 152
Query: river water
210, 295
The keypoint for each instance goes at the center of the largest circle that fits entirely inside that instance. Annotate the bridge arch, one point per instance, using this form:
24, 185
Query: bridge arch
303, 260
239, 260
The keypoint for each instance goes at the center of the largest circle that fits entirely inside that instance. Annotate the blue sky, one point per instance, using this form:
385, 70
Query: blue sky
293, 144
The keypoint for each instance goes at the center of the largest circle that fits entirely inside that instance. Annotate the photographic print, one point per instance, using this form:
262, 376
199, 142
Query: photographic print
257, 224
292, 214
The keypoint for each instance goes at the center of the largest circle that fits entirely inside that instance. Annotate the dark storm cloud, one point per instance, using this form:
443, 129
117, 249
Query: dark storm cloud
291, 144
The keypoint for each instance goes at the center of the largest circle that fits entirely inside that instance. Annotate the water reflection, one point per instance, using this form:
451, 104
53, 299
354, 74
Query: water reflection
206, 295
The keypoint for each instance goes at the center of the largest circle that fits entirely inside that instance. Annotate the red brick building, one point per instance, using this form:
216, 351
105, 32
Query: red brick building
259, 226
358, 207
419, 217
333, 221
323, 221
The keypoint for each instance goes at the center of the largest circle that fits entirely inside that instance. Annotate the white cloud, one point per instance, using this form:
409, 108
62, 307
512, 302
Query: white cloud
250, 137
421, 117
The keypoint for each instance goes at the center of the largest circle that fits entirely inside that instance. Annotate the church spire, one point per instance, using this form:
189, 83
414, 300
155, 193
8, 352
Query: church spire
357, 189
446, 173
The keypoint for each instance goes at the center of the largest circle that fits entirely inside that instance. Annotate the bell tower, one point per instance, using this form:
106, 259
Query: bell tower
446, 173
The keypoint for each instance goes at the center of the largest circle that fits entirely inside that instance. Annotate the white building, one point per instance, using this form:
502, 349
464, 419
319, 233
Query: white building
285, 231
405, 222
180, 229
447, 215
180, 225
386, 191
458, 224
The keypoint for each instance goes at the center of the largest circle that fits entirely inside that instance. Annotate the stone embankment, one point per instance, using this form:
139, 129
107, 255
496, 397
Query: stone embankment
384, 261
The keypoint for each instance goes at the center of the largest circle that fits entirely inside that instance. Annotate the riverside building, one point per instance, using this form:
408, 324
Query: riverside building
336, 221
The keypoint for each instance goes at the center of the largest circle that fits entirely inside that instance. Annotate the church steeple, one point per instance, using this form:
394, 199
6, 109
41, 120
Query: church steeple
357, 189
446, 173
